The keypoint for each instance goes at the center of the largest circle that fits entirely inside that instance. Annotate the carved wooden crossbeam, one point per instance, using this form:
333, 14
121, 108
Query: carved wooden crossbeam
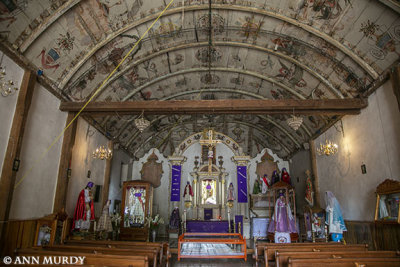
225, 106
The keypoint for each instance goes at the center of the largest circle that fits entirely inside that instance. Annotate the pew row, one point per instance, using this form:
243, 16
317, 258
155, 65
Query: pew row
260, 248
282, 258
91, 259
345, 262
165, 253
151, 253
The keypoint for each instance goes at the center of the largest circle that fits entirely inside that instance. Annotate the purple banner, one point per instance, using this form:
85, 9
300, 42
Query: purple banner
242, 184
176, 183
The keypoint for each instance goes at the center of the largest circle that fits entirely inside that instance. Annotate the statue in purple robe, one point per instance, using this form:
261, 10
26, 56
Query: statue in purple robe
282, 220
275, 177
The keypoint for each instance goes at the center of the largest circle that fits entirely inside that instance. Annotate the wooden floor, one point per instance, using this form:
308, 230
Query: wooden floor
212, 262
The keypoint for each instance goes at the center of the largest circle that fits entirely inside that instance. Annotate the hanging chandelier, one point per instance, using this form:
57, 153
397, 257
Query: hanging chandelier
6, 87
102, 153
141, 123
327, 149
294, 122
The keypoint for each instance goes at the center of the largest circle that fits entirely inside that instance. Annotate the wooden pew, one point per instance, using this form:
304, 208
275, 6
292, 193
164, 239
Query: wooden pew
151, 253
347, 262
164, 246
282, 258
90, 258
269, 251
260, 247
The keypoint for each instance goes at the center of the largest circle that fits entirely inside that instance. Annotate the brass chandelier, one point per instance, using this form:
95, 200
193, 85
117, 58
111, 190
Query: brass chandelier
327, 149
7, 87
102, 153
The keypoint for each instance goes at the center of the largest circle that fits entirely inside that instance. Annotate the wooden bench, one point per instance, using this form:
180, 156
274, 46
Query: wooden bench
270, 252
347, 262
282, 258
151, 253
90, 258
260, 247
165, 253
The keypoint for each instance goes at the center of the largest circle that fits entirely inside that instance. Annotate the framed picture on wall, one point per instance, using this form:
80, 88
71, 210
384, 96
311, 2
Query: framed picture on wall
45, 232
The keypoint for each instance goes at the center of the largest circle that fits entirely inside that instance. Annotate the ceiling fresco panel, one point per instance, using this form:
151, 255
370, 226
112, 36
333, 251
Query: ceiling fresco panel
53, 52
304, 49
19, 17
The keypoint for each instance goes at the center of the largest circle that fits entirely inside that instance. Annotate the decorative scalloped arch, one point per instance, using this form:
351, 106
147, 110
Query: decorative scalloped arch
195, 138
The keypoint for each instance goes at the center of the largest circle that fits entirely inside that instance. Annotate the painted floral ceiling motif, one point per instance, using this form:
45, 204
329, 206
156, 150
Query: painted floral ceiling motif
260, 49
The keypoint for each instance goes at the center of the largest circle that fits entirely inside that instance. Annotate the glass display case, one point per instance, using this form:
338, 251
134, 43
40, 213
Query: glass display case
137, 198
387, 202
212, 245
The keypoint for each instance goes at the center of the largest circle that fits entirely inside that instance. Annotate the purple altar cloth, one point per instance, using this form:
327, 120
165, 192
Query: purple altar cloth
207, 226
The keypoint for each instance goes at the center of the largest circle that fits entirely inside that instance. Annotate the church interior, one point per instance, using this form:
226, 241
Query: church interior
167, 132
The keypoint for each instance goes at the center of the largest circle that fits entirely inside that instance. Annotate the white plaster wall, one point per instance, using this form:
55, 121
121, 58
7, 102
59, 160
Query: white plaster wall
372, 138
86, 141
34, 195
115, 190
7, 104
299, 163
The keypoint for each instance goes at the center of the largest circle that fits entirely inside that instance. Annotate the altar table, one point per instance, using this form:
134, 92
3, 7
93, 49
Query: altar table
197, 226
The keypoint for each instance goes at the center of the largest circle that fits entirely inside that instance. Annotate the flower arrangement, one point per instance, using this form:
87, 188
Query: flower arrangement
116, 220
154, 223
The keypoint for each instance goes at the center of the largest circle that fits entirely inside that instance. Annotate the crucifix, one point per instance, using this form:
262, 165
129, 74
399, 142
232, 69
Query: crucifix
210, 142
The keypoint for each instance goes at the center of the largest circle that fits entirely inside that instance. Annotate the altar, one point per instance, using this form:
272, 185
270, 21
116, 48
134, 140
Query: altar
211, 226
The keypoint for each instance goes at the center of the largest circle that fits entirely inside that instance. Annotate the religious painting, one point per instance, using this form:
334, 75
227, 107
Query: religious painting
388, 200
135, 203
45, 231
208, 192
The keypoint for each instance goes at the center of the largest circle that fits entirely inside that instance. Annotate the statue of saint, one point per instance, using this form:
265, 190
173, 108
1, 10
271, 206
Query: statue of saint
282, 220
231, 192
256, 187
309, 190
274, 177
188, 193
285, 176
265, 184
105, 224
84, 209
334, 218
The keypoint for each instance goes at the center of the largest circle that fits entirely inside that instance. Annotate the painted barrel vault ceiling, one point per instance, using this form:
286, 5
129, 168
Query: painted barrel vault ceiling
276, 49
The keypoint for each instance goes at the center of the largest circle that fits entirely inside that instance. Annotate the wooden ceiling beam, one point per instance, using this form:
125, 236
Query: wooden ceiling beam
225, 106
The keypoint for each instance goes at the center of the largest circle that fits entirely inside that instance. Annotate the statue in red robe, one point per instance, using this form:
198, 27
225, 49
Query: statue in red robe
188, 193
285, 176
84, 210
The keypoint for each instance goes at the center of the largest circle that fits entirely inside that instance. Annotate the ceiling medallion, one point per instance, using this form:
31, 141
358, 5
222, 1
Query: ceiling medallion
141, 123
294, 122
